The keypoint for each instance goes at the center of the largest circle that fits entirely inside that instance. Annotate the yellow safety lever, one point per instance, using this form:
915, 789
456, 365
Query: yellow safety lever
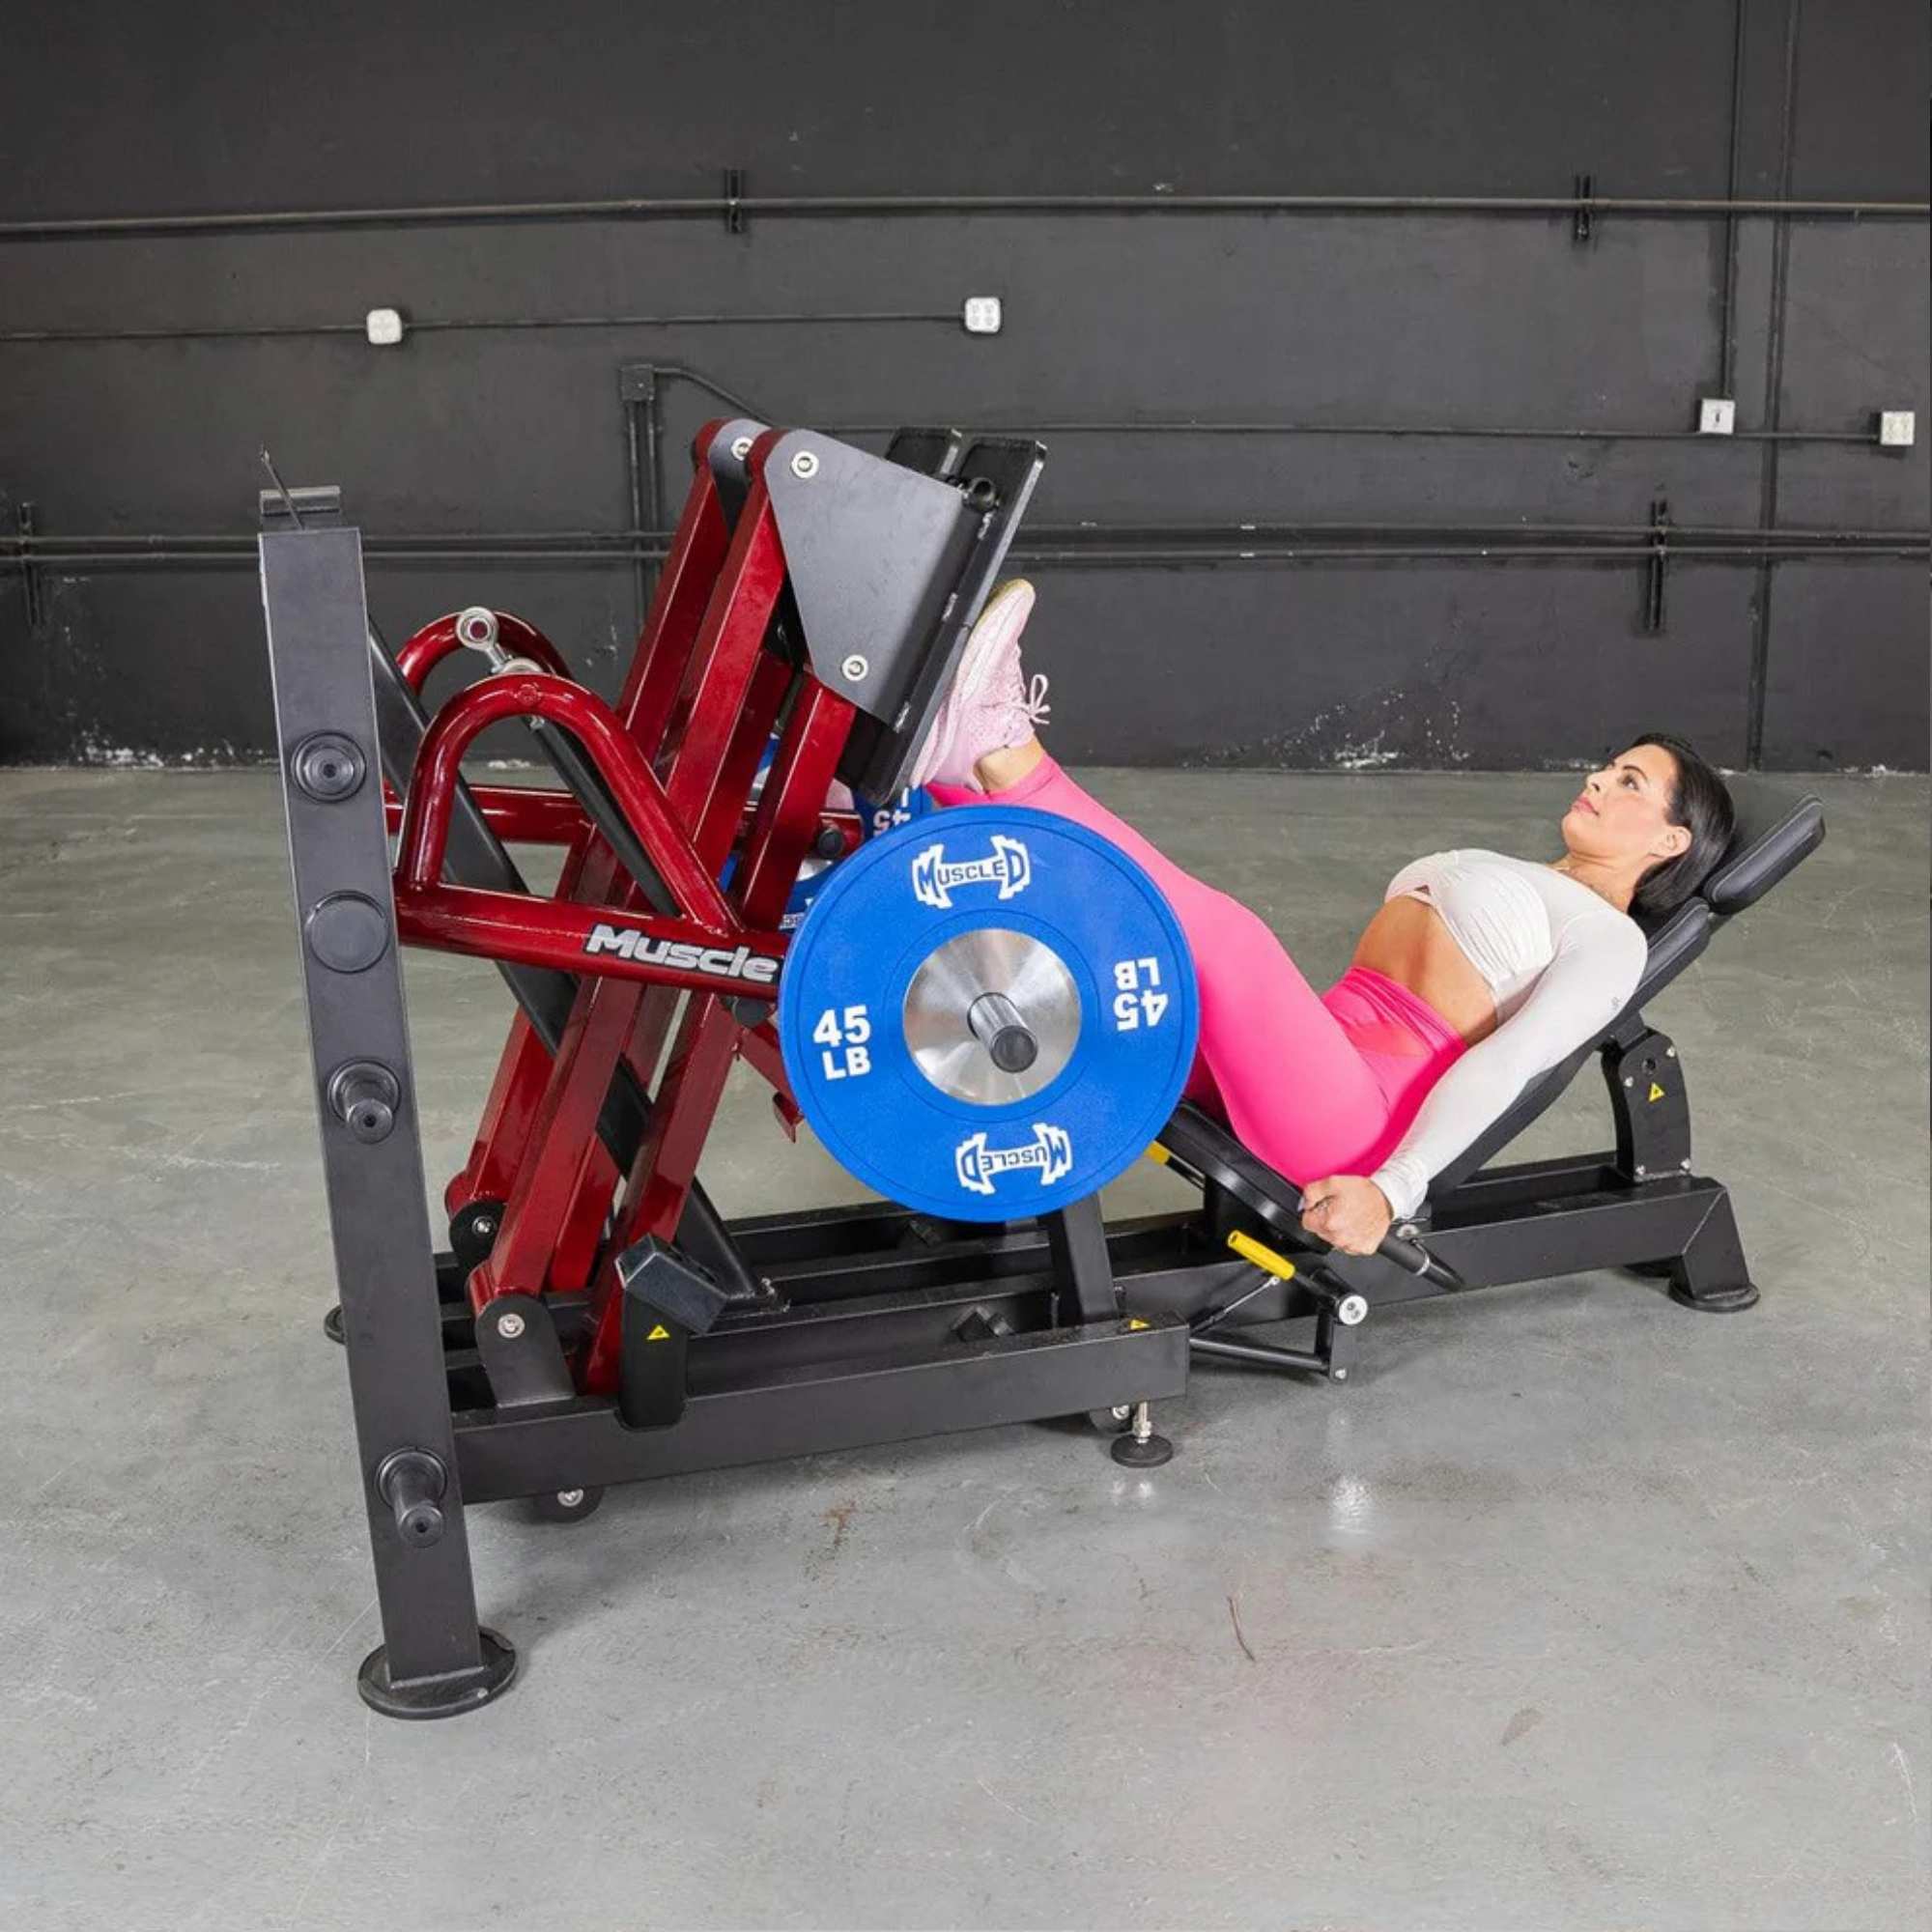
1263, 1258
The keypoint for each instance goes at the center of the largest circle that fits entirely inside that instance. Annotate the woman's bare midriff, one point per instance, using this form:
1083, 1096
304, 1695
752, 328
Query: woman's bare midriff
1407, 942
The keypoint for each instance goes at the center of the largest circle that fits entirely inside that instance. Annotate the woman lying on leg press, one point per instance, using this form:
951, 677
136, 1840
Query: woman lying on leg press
1478, 972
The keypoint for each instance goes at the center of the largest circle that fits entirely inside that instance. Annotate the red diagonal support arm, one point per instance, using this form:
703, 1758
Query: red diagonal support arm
684, 587
712, 716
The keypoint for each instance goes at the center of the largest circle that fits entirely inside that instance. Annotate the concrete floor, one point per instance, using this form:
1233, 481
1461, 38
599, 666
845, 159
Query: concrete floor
1574, 1610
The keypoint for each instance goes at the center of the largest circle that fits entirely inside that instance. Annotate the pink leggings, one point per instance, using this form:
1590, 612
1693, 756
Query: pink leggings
1316, 1085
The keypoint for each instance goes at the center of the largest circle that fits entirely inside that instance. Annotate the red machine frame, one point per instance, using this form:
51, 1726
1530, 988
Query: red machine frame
678, 751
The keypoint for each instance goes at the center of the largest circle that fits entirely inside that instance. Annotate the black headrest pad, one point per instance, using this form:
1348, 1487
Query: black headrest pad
1775, 832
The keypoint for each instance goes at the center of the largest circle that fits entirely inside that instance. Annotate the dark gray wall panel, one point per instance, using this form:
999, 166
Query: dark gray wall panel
1858, 322
1209, 320
1864, 69
367, 101
190, 693
1360, 668
1849, 669
1458, 320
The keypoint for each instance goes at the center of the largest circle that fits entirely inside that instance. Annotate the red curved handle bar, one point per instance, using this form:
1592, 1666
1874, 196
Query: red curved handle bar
425, 828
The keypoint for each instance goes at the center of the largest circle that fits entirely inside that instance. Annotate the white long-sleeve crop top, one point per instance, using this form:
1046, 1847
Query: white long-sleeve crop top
1560, 963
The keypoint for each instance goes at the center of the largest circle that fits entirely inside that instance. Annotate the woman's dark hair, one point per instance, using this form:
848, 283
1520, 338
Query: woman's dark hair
1699, 801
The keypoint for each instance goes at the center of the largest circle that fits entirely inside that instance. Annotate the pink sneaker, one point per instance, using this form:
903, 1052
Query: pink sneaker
990, 706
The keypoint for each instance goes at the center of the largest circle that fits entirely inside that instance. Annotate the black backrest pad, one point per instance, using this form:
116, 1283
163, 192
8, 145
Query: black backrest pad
1775, 833
1675, 940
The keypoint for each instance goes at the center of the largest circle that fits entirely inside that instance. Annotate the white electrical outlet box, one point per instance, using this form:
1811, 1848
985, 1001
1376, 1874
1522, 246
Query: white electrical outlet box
385, 327
1896, 428
1716, 416
981, 315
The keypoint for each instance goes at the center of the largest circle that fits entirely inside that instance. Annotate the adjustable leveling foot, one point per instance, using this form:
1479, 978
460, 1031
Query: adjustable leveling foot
1140, 1448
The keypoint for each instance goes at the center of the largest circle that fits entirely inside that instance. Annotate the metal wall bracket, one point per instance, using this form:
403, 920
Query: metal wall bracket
638, 392
30, 577
1583, 188
1659, 557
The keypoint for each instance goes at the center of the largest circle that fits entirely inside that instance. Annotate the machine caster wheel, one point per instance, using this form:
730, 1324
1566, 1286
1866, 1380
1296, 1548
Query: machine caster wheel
438, 1697
473, 1231
332, 1327
567, 1505
1112, 1421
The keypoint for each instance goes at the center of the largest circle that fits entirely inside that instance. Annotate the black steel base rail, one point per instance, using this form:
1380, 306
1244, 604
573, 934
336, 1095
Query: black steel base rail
811, 1408
1505, 1226
863, 1343
779, 207
864, 1346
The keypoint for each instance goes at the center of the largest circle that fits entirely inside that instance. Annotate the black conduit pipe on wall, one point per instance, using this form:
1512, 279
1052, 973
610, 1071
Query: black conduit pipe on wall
720, 207
1727, 313
1133, 426
511, 542
1196, 426
1774, 399
445, 325
1083, 544
1189, 426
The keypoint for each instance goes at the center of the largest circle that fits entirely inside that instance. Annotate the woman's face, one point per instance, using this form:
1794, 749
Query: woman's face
1622, 812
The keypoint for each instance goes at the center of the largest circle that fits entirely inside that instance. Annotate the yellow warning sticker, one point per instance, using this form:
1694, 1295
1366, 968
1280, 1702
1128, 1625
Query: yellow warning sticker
659, 1334
1655, 1092
1134, 1322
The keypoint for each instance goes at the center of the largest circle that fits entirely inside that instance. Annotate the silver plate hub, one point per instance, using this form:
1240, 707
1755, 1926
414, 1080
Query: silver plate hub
939, 1003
